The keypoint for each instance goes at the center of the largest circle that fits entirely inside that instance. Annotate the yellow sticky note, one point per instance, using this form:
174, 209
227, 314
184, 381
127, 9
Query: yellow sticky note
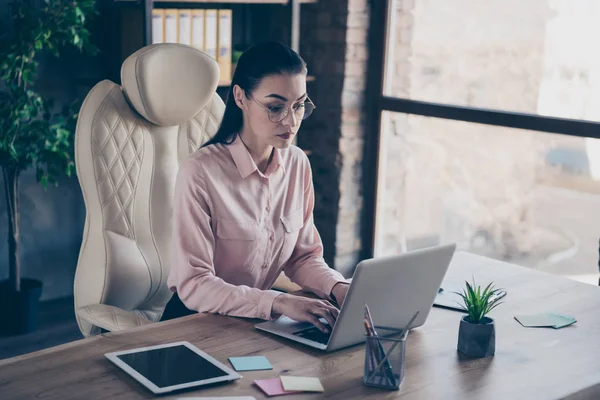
301, 383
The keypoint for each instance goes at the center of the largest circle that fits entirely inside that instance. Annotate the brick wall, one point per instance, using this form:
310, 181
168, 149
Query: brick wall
334, 44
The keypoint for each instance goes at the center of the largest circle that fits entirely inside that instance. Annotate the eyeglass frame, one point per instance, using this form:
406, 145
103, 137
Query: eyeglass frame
288, 109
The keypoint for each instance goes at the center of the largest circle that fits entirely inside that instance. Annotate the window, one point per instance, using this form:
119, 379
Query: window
535, 57
488, 133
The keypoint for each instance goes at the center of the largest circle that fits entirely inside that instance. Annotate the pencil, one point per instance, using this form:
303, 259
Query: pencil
379, 352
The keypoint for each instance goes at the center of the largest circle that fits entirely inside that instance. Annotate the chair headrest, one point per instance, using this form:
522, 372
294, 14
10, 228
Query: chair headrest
169, 83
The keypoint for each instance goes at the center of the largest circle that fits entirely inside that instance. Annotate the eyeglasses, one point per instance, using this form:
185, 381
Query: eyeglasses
278, 113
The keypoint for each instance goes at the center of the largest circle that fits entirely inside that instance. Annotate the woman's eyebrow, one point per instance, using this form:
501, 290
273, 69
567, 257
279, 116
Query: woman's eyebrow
276, 96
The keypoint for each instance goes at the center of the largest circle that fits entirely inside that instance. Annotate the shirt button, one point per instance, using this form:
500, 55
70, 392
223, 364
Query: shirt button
271, 238
268, 208
263, 316
265, 266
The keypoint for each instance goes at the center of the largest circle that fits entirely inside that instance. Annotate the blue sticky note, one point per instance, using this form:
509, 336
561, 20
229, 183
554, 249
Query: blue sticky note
549, 320
255, 363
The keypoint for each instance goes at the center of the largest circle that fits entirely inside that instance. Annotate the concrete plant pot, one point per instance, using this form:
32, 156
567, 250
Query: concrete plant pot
19, 310
477, 340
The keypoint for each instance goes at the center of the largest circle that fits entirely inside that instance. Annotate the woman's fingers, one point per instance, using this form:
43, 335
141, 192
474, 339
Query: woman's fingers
333, 310
312, 310
325, 313
316, 322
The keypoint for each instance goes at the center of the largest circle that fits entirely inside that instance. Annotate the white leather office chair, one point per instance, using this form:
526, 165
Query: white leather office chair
129, 143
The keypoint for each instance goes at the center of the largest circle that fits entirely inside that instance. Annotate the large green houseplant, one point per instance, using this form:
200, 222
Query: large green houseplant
33, 134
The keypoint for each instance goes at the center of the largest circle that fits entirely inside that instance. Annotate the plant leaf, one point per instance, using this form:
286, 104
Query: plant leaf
478, 301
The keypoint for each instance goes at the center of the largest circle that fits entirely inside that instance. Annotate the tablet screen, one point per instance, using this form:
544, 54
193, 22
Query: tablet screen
169, 366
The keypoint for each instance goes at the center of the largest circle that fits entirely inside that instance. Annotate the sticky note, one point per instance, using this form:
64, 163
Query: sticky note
561, 321
302, 383
272, 387
535, 320
250, 363
549, 320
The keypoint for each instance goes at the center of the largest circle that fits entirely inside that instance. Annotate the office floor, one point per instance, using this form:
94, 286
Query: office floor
56, 325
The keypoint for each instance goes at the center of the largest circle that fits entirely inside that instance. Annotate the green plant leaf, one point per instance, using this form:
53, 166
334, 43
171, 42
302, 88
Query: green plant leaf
32, 133
477, 301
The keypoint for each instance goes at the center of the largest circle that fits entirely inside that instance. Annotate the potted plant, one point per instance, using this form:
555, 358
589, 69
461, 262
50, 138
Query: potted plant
32, 132
477, 334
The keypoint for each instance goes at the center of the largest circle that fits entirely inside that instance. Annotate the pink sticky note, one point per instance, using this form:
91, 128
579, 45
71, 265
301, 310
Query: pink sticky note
272, 387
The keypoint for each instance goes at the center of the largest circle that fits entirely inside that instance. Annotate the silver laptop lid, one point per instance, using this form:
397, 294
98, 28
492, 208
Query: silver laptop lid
394, 287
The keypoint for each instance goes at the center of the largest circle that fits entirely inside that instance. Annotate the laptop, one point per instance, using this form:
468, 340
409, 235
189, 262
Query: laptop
394, 287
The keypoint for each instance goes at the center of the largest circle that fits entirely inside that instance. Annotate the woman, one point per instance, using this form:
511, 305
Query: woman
243, 209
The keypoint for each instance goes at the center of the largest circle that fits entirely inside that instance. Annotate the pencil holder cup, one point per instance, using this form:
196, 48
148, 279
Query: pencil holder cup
384, 360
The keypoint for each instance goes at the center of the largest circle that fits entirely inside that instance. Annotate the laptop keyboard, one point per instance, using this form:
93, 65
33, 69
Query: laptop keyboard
314, 334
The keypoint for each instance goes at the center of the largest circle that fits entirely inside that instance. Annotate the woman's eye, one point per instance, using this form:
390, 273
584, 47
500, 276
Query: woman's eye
299, 106
276, 109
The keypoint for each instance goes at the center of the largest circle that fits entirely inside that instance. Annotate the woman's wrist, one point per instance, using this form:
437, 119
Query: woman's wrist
335, 289
276, 307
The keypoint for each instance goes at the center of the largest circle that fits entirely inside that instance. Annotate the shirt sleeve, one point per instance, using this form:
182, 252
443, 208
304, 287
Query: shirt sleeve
306, 265
192, 272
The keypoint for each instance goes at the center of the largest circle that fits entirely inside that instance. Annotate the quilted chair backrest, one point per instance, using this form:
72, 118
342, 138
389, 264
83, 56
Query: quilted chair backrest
130, 141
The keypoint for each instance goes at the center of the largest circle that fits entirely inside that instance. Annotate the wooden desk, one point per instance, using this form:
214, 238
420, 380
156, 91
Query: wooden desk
529, 363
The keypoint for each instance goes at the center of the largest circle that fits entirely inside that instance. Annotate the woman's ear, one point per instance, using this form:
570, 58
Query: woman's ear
239, 96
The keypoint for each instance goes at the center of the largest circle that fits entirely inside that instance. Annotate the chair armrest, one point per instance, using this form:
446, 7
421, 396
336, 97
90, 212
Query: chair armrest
111, 318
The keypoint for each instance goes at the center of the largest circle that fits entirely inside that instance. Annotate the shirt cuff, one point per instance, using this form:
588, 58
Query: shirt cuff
329, 286
265, 304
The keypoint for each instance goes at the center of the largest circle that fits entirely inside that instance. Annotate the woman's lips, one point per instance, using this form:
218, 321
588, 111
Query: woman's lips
285, 135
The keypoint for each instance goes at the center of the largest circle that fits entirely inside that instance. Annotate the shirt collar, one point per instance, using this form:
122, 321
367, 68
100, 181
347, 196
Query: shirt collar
244, 162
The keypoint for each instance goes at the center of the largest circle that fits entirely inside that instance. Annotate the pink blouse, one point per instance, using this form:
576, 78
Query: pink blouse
235, 229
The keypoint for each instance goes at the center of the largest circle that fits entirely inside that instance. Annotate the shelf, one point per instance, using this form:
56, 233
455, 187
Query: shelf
309, 78
236, 1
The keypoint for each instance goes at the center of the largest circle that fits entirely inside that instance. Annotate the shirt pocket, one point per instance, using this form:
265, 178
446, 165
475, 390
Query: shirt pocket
292, 223
235, 245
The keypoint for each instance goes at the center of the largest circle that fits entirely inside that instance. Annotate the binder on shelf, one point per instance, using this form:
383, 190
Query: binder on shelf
171, 26
210, 33
158, 22
185, 26
198, 29
224, 44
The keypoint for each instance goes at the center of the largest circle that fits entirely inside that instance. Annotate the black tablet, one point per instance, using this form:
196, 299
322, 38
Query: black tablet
172, 366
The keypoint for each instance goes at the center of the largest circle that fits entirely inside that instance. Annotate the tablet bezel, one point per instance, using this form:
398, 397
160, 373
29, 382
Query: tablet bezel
231, 374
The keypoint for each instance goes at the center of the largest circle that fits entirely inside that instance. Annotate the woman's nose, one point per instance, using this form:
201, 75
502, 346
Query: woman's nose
290, 120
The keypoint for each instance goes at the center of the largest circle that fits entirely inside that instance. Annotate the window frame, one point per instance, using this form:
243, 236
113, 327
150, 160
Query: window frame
378, 103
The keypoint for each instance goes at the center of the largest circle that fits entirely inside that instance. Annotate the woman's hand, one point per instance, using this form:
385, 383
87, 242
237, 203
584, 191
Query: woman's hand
305, 309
